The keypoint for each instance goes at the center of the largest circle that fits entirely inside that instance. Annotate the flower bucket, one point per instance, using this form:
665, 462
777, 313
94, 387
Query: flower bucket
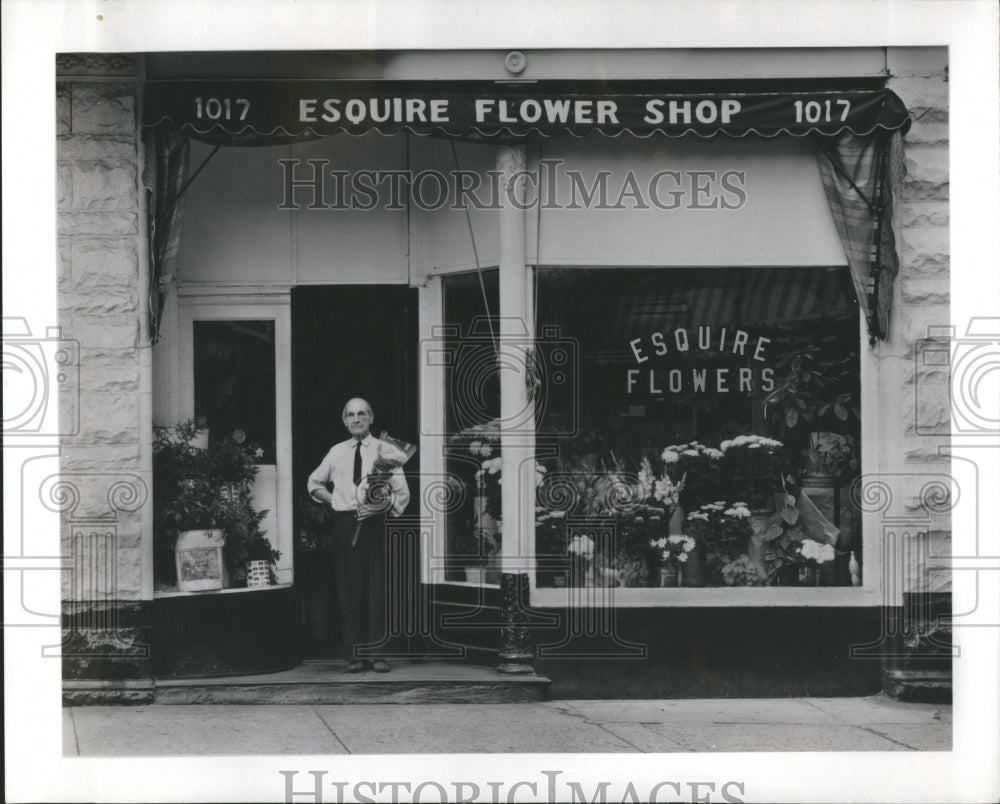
258, 574
199, 560
670, 575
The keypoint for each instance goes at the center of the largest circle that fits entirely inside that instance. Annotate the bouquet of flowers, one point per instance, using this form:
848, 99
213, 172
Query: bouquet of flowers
695, 467
814, 553
375, 491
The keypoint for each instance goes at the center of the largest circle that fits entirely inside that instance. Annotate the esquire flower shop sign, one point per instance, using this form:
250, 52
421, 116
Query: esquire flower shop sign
270, 108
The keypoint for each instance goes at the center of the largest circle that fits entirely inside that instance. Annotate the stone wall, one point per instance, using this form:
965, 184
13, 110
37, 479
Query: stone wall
103, 491
914, 436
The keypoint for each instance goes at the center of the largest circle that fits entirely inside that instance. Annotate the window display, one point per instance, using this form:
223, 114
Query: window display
709, 435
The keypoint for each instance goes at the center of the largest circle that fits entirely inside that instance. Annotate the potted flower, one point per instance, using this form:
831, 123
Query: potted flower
813, 556
752, 469
674, 551
475, 548
722, 530
202, 504
799, 521
696, 468
581, 554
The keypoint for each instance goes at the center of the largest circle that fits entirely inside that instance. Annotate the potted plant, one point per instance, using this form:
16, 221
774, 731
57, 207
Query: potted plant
203, 516
474, 548
722, 531
813, 395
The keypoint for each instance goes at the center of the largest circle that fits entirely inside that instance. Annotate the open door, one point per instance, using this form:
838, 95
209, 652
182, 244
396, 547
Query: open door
349, 341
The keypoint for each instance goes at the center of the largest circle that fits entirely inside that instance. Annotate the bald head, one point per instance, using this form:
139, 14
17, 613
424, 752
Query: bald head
358, 417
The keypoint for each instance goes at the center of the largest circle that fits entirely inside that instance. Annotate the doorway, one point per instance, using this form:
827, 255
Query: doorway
347, 341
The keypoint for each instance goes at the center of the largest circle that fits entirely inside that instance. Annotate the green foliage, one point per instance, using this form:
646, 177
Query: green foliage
202, 489
835, 454
813, 391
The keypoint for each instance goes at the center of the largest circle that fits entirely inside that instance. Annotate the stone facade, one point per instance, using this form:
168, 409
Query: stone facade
103, 489
913, 442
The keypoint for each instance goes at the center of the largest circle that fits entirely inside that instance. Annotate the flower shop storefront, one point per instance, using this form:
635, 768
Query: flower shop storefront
627, 326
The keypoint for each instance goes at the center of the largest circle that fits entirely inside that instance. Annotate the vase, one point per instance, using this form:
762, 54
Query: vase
258, 573
671, 575
808, 576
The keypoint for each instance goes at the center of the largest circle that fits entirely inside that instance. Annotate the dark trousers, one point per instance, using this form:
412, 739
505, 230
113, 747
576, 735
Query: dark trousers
360, 572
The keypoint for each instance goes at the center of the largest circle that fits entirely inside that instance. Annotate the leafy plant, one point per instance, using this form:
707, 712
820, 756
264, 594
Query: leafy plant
835, 454
742, 571
204, 489
813, 391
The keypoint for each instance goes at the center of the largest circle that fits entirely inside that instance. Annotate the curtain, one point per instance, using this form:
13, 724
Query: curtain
859, 176
164, 177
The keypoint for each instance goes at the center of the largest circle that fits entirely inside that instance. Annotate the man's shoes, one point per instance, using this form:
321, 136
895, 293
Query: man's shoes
355, 667
380, 666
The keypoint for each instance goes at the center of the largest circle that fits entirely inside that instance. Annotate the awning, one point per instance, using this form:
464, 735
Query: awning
858, 132
261, 110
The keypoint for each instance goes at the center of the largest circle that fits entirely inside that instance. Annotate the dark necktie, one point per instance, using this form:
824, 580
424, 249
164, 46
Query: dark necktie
357, 463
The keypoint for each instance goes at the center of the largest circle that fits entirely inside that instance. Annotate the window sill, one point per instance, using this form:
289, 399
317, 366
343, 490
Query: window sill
234, 590
705, 597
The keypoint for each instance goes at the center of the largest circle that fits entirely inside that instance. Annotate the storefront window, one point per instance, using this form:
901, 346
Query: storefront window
234, 391
472, 410
711, 433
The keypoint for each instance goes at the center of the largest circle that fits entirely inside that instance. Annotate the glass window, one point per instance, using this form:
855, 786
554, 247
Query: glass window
472, 391
710, 434
234, 376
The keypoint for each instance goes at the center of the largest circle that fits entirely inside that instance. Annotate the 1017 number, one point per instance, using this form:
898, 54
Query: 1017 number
221, 109
814, 111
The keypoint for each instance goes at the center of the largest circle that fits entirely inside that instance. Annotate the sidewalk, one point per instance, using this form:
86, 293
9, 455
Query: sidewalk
877, 723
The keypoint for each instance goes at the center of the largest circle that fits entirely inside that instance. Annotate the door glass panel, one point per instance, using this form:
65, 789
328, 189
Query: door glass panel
234, 375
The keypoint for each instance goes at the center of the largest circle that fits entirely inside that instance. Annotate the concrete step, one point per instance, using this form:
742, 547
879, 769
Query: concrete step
321, 681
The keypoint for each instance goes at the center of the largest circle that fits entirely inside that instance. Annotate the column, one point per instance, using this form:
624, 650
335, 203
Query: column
516, 332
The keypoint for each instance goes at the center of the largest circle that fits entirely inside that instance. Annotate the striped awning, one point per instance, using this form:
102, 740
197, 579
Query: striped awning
745, 297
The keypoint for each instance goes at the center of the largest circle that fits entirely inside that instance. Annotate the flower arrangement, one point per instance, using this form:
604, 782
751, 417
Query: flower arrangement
581, 553
674, 549
752, 464
375, 490
696, 467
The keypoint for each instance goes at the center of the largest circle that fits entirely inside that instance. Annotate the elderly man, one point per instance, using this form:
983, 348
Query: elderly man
360, 563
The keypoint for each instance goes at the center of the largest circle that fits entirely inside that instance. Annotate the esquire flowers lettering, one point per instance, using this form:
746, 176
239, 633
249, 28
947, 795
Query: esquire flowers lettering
717, 348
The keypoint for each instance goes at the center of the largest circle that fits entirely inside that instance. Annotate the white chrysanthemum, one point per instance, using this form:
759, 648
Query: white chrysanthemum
669, 456
486, 450
682, 557
474, 447
698, 515
714, 454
